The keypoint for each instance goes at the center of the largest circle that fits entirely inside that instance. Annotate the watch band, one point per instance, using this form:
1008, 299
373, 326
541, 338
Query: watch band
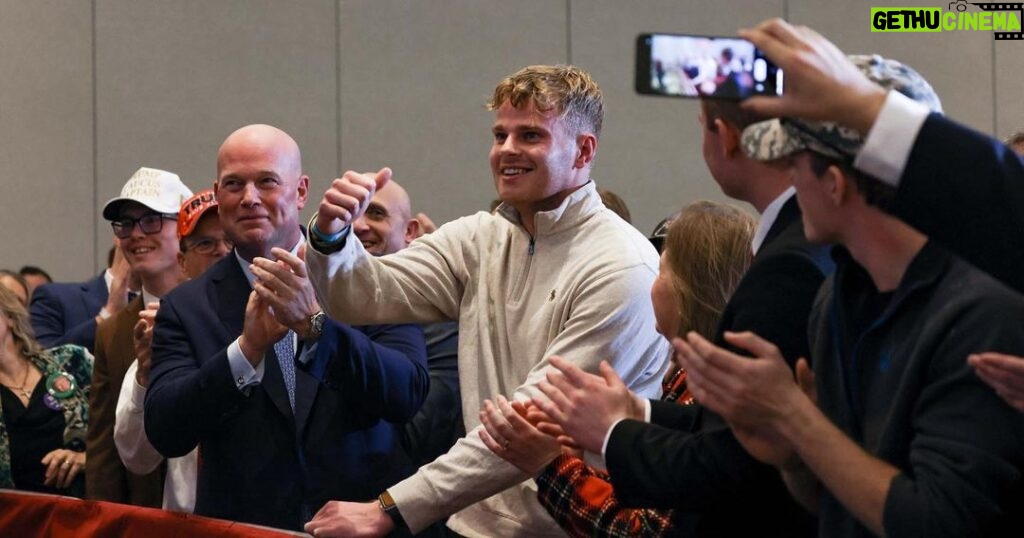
387, 504
326, 244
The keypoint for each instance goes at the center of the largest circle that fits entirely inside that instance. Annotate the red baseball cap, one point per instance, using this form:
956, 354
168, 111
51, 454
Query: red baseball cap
193, 209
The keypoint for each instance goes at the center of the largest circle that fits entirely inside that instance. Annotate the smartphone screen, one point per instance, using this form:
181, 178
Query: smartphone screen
678, 65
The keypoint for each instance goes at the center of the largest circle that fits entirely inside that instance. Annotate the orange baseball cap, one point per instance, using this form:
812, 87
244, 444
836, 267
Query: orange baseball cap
193, 209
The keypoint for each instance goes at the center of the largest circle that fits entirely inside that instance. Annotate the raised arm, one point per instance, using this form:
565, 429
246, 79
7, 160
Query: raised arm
606, 323
954, 184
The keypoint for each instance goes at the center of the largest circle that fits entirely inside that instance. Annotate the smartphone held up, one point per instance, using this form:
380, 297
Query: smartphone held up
677, 65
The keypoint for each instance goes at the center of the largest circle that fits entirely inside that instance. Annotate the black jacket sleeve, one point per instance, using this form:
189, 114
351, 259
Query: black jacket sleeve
965, 190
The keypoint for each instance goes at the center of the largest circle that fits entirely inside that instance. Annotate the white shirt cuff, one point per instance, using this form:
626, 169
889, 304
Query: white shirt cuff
608, 434
891, 138
241, 369
138, 396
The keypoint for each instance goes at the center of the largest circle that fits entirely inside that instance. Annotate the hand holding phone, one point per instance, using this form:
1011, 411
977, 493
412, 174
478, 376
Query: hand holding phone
693, 66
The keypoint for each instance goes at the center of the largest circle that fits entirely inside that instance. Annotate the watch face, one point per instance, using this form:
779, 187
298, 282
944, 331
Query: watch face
317, 322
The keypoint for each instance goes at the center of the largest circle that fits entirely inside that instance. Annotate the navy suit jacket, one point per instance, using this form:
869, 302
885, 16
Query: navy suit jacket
688, 458
259, 463
65, 313
965, 190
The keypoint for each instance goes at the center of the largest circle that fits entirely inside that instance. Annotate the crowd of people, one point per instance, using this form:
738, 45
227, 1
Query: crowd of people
848, 363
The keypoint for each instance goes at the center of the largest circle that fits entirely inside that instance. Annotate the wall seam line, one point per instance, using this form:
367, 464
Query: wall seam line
337, 87
568, 32
95, 147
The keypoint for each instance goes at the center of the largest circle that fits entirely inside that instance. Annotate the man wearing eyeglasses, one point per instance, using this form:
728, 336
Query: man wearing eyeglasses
200, 235
202, 241
144, 220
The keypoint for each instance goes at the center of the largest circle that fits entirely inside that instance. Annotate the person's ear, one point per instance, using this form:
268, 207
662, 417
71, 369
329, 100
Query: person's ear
412, 230
302, 189
838, 185
586, 149
730, 137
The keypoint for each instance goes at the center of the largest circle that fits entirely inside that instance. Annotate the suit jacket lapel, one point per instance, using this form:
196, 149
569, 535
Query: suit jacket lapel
306, 386
229, 293
273, 383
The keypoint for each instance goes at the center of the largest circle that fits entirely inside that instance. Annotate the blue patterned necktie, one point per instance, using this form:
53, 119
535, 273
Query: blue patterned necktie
285, 350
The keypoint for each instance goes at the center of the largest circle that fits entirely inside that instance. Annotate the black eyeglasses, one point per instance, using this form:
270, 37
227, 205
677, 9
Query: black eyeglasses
206, 245
149, 223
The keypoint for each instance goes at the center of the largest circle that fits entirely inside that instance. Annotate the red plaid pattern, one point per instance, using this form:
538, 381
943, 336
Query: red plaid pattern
582, 499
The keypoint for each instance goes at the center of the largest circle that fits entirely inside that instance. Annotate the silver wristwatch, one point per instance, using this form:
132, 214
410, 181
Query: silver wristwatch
316, 325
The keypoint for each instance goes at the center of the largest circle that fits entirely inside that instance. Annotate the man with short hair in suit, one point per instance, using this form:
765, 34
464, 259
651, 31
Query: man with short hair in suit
289, 409
144, 220
68, 312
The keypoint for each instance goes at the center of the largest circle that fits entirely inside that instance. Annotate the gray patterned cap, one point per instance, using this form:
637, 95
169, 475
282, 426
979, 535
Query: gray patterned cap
779, 137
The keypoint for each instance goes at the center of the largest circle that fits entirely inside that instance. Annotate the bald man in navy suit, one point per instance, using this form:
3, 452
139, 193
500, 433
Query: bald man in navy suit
289, 409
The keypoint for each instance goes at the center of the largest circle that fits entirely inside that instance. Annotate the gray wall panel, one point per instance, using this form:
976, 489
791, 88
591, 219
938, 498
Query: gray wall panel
46, 136
650, 150
362, 84
957, 63
175, 78
414, 78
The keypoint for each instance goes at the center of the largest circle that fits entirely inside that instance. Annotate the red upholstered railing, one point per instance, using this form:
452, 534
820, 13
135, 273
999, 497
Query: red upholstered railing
28, 515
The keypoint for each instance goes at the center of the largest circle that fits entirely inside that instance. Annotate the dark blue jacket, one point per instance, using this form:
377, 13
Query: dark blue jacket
259, 463
65, 313
965, 190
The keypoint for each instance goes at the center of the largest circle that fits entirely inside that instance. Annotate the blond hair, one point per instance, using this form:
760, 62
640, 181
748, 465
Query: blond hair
568, 91
18, 320
707, 251
1016, 142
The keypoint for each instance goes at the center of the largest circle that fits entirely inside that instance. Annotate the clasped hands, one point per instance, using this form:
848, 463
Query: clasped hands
282, 299
578, 410
757, 396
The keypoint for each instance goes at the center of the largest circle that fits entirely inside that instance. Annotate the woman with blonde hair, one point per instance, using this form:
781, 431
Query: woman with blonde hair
707, 252
44, 407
